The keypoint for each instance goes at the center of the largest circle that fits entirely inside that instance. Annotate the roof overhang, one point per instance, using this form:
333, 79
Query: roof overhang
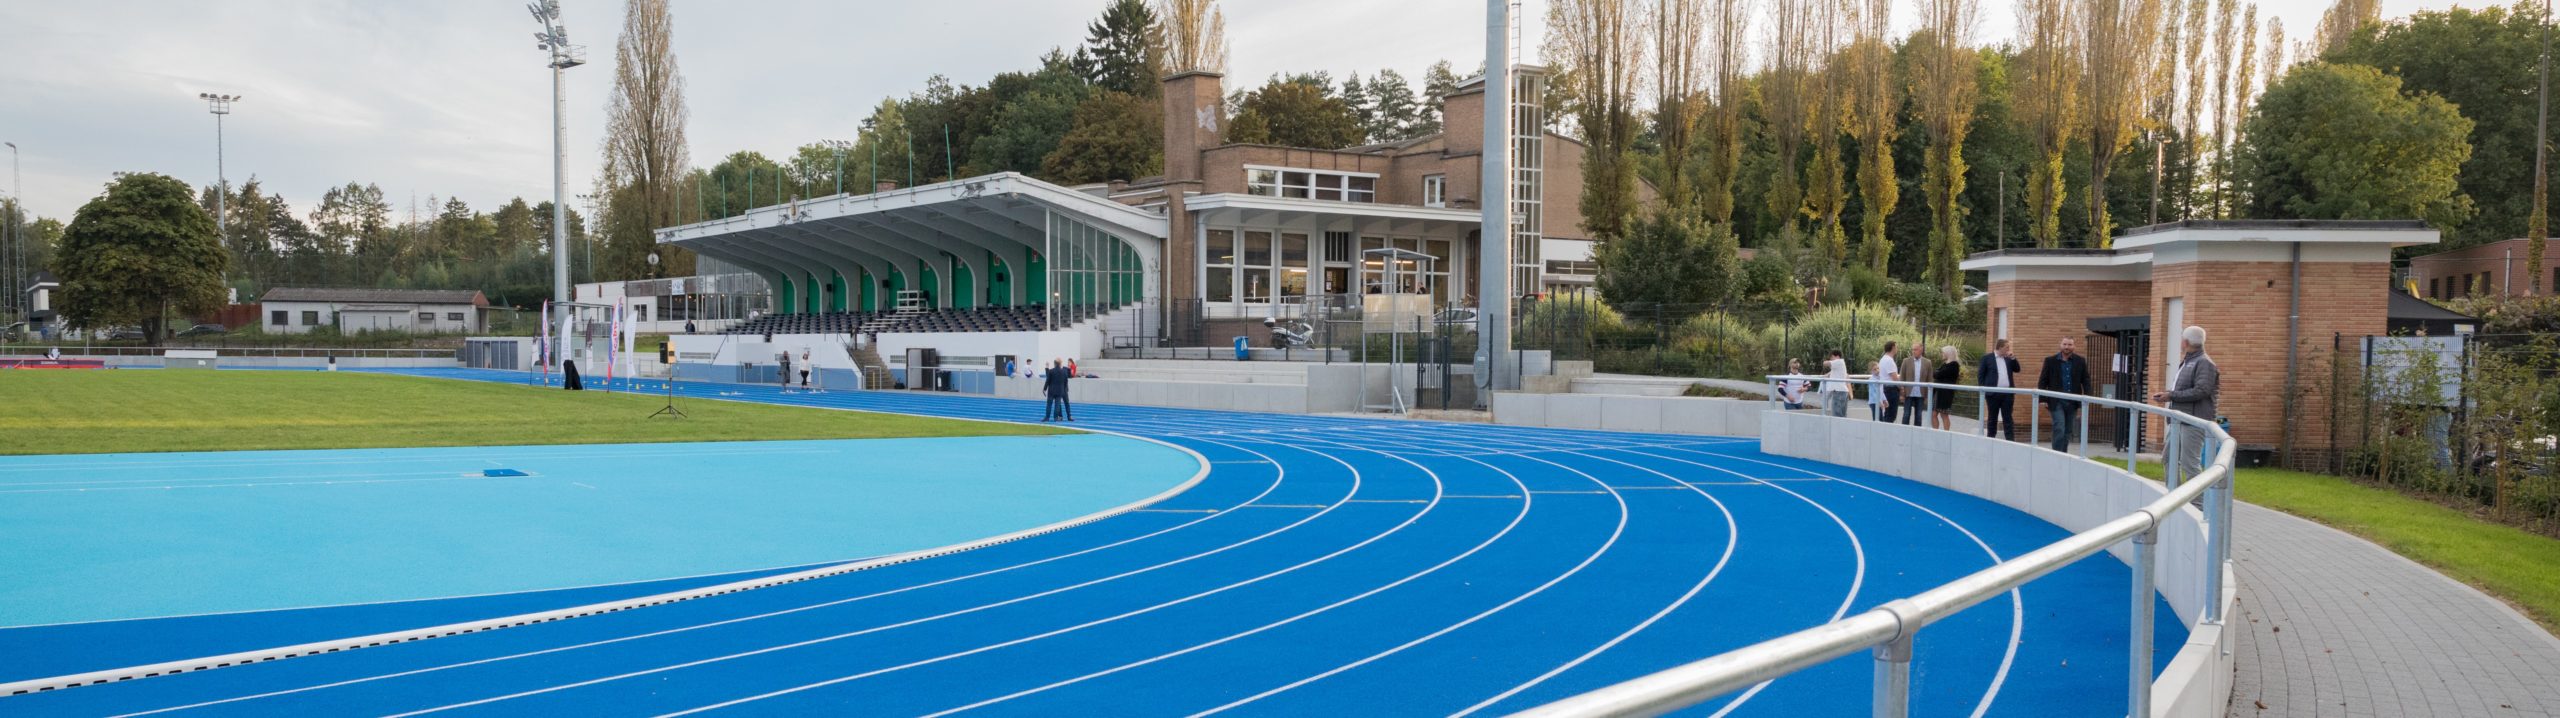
1007, 193
1328, 215
2008, 265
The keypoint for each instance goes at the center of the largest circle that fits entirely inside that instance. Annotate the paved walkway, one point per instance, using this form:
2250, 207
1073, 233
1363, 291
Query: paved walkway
2333, 625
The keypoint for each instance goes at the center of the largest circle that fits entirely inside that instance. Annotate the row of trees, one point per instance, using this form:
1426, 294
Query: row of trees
355, 236
2102, 114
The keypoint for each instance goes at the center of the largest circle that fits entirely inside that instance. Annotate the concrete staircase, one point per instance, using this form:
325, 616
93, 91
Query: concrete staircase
875, 372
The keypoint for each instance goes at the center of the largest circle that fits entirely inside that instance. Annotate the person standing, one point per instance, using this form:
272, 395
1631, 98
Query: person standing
786, 369
1791, 391
1054, 385
1999, 370
2065, 373
1950, 372
2194, 383
1835, 385
1915, 399
804, 368
1884, 396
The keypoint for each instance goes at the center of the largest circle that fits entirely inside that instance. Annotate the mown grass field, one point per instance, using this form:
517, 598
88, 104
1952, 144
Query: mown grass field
90, 412
2517, 565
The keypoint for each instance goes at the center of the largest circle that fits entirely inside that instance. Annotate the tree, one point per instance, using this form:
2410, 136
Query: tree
1437, 83
1946, 91
1295, 113
1116, 136
1727, 32
138, 252
2048, 104
2198, 12
644, 146
2223, 34
1030, 125
514, 223
1879, 107
1668, 256
2341, 21
1192, 34
2118, 43
1399, 115
1597, 48
1785, 103
1678, 36
1825, 195
2336, 141
1119, 52
2484, 62
1364, 108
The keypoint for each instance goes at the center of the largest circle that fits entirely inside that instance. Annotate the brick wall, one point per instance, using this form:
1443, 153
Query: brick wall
2243, 308
2043, 311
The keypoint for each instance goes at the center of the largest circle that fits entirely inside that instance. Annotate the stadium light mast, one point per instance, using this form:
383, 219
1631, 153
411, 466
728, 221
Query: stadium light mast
16, 275
554, 39
220, 105
1493, 298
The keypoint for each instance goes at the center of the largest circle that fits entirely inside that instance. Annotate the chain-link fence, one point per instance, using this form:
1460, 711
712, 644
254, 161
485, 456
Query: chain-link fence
2472, 419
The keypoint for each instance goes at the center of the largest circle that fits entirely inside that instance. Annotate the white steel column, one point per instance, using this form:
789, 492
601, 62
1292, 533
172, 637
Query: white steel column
1493, 294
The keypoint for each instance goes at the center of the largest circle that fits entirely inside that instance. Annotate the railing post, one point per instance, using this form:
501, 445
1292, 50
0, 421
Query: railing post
2217, 540
2169, 464
2035, 425
2084, 429
1893, 676
2140, 679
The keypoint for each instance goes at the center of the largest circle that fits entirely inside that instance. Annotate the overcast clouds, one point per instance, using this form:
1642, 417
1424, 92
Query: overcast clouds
451, 98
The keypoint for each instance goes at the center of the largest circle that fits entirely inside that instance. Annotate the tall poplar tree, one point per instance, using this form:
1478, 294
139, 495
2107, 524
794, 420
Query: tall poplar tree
1877, 120
644, 146
2047, 104
2117, 43
1946, 92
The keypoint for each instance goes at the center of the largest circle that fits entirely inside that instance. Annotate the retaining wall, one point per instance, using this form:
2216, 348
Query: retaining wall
1613, 412
2067, 491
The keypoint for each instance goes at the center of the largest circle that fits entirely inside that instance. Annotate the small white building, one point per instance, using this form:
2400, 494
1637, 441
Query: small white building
296, 310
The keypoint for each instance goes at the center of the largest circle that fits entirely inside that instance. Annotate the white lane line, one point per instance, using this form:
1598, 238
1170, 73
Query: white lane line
1435, 482
2017, 601
1409, 521
1266, 491
1732, 538
1857, 577
1587, 560
1355, 488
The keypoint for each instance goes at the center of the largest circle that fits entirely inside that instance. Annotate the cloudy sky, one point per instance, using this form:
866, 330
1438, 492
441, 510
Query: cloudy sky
450, 98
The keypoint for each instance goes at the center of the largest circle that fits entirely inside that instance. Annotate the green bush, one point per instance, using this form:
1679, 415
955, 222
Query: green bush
1859, 331
1571, 326
1722, 345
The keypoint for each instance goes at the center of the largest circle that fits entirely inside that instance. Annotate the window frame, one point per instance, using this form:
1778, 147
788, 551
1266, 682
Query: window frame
1310, 183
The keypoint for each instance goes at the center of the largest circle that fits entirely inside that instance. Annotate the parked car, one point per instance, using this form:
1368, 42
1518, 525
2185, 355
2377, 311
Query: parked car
124, 335
1974, 294
1455, 316
204, 330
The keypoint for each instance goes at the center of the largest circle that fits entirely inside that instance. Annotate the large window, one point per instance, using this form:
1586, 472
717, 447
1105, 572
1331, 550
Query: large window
1256, 266
1293, 265
1222, 265
1311, 184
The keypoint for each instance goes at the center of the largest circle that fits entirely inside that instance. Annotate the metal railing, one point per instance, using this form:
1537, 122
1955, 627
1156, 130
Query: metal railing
1888, 630
281, 352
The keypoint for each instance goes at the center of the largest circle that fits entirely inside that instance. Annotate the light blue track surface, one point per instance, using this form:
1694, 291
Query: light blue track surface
1326, 565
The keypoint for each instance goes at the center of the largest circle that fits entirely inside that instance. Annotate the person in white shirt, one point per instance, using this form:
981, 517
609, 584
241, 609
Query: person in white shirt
1835, 386
1791, 391
1883, 397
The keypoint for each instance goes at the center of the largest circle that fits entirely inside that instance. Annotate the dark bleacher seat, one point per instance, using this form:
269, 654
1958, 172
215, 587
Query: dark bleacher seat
983, 319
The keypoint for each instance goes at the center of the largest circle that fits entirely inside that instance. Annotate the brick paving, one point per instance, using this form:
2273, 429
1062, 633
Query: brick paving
2333, 625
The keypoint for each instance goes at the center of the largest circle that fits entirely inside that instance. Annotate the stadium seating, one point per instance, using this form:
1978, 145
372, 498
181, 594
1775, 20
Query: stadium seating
984, 319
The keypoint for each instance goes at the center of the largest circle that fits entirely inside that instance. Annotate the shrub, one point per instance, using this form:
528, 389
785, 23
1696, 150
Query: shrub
1859, 331
1721, 345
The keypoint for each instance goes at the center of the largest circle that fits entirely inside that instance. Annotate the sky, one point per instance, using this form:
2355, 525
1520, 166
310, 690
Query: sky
441, 98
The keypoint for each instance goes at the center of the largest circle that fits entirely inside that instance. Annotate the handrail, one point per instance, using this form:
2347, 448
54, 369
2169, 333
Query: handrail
1888, 629
231, 351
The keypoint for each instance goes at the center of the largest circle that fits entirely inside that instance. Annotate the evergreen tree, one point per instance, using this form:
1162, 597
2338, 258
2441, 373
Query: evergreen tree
1119, 52
1398, 114
1437, 83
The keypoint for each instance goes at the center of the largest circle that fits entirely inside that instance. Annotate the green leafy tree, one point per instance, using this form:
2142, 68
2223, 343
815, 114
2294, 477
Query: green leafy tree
1116, 136
1399, 115
1296, 112
1038, 110
1437, 83
139, 252
1667, 257
2483, 61
2334, 141
1119, 52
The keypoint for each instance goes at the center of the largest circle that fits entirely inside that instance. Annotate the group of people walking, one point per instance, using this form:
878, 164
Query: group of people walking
2194, 383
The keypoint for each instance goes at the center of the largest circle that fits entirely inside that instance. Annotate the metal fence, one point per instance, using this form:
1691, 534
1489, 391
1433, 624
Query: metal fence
277, 352
2473, 419
1732, 342
1889, 630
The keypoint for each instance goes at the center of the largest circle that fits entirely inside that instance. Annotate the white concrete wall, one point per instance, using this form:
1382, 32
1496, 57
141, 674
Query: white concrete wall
2072, 493
403, 320
1647, 414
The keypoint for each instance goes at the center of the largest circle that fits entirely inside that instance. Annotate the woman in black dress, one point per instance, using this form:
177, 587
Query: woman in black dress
1950, 372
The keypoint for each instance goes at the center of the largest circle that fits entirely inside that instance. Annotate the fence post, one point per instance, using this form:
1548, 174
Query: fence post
2140, 678
1893, 675
2034, 425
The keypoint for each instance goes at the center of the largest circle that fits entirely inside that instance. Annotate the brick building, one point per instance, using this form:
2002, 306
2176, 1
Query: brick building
2494, 269
2235, 278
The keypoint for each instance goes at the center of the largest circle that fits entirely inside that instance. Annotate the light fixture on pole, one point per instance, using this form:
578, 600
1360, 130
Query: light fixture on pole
220, 105
554, 40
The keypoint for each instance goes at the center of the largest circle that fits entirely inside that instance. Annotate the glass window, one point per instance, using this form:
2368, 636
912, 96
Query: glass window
1293, 265
428, 317
457, 316
276, 317
1222, 284
1257, 249
1262, 182
1255, 273
1337, 248
1435, 191
310, 318
1220, 272
1362, 189
1222, 246
1296, 184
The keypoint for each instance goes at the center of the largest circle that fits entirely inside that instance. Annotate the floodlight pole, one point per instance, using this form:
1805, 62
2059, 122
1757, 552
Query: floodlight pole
554, 39
15, 276
1493, 297
220, 105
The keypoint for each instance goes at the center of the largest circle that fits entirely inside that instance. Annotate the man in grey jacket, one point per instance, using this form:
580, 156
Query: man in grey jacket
2194, 383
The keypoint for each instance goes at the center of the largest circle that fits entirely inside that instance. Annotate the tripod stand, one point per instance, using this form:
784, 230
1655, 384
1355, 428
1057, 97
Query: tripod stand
670, 410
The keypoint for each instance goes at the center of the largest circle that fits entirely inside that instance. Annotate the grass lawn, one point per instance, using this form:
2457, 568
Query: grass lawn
2519, 566
89, 412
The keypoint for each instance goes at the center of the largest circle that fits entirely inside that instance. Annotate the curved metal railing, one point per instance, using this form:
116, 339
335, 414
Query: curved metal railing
1888, 629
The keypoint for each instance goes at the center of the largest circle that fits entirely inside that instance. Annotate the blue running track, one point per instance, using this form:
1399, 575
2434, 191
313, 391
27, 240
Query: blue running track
1324, 566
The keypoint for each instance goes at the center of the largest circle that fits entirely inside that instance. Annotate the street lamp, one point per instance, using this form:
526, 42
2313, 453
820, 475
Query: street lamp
220, 105
554, 40
839, 146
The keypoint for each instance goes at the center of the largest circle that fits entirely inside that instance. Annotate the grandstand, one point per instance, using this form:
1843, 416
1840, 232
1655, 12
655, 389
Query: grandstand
983, 319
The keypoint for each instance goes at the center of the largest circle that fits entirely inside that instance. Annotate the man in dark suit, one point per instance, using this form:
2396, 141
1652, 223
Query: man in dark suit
1999, 410
1054, 385
2065, 373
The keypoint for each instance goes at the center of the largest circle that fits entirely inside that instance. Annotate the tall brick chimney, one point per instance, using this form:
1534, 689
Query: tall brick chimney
1195, 117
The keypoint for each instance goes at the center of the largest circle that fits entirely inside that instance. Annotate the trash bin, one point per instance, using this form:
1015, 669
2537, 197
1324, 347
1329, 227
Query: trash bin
1243, 353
